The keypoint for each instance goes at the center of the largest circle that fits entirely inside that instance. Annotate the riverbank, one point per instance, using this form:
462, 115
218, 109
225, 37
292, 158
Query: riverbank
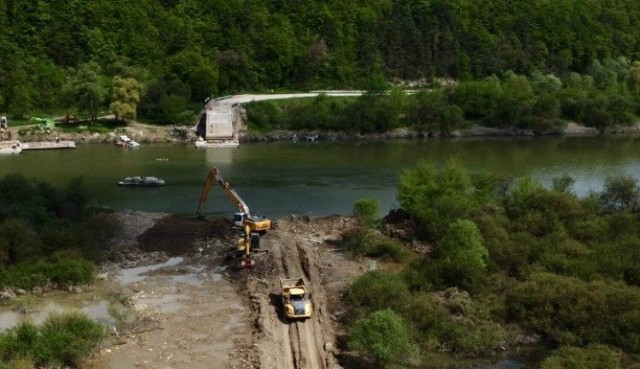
148, 133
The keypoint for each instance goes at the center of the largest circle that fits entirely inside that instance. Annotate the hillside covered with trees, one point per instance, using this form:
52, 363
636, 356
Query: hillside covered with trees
161, 58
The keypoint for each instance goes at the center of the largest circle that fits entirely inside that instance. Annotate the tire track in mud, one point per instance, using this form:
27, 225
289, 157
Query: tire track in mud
302, 340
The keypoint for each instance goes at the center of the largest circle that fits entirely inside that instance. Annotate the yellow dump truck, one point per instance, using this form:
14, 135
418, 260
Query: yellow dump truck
295, 298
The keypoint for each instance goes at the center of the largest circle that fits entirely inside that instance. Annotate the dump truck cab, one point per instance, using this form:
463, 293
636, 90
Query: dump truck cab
296, 298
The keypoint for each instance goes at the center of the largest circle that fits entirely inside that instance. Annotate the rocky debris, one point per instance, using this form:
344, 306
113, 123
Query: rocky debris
7, 294
132, 256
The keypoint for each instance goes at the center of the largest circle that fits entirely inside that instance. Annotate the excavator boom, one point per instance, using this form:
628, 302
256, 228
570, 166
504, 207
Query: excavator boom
244, 217
214, 175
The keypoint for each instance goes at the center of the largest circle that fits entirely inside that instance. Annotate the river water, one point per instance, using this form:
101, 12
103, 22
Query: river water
281, 178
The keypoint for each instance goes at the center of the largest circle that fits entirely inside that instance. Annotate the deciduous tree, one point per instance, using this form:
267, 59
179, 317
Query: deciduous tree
125, 96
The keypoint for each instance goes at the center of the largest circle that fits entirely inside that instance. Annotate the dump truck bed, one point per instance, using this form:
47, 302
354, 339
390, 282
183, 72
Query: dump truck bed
295, 298
292, 283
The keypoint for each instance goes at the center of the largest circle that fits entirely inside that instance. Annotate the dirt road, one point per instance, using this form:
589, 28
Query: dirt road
300, 247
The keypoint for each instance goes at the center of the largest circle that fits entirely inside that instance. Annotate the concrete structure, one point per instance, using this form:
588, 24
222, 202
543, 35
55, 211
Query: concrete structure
48, 145
216, 129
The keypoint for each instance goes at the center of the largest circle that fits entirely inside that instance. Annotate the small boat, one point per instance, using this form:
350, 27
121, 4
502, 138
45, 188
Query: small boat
142, 181
125, 141
10, 147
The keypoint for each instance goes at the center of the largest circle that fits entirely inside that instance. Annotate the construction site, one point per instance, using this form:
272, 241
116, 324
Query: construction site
232, 292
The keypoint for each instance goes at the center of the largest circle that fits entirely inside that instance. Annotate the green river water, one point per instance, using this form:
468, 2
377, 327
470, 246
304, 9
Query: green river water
281, 178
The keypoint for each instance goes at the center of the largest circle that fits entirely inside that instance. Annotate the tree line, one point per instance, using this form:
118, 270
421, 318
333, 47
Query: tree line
161, 58
606, 97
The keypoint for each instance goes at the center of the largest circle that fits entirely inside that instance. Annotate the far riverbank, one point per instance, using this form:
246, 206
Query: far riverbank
148, 133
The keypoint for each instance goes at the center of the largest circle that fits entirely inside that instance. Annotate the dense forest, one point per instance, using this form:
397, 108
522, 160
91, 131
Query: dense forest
161, 58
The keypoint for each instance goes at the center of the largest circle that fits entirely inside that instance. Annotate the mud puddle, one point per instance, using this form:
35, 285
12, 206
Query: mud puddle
201, 320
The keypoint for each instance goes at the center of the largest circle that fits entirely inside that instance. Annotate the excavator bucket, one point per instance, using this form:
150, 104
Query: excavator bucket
247, 263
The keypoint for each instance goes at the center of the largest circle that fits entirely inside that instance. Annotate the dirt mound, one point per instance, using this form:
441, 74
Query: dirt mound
180, 235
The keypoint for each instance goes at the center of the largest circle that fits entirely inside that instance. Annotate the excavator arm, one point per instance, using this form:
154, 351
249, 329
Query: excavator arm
214, 175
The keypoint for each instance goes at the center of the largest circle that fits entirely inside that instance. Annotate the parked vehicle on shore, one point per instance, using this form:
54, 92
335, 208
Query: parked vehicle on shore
125, 141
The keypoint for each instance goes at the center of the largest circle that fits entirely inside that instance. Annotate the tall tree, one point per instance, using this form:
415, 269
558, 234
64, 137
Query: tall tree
125, 96
84, 90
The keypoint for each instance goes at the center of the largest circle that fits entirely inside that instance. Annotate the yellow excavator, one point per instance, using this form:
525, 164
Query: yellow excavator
242, 218
246, 246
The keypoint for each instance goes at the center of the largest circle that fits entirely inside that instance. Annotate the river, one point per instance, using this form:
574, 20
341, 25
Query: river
281, 178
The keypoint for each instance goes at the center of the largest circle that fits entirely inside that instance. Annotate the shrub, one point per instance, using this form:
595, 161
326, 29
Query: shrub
452, 321
19, 363
366, 210
461, 255
72, 272
356, 241
69, 338
383, 336
564, 309
64, 339
376, 291
64, 272
590, 357
387, 248
436, 199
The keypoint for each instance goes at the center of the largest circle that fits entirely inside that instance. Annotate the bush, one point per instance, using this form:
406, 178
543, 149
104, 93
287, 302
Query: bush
366, 210
64, 272
68, 338
361, 241
385, 248
564, 309
436, 199
452, 321
383, 336
377, 291
63, 340
460, 256
356, 241
590, 357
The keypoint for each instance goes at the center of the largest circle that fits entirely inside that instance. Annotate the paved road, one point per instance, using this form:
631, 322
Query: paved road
225, 101
225, 104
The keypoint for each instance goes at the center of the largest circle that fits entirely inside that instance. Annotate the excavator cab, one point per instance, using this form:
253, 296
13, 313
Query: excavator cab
238, 219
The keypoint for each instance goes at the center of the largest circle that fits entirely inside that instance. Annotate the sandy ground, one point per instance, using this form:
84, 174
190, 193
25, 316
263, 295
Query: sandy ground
203, 312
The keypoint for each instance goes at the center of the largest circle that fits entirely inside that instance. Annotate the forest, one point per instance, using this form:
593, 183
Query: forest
159, 59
